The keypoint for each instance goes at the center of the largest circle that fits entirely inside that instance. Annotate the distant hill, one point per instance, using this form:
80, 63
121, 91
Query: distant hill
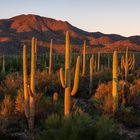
19, 30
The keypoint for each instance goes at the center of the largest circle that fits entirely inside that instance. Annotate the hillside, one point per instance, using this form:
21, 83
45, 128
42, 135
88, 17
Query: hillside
19, 30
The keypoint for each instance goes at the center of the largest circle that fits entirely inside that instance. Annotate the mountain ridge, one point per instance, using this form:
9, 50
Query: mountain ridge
19, 30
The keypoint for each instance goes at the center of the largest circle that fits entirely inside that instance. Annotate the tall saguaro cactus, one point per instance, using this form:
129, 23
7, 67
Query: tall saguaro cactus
115, 81
26, 95
32, 85
29, 91
66, 82
98, 64
91, 74
50, 60
127, 64
84, 59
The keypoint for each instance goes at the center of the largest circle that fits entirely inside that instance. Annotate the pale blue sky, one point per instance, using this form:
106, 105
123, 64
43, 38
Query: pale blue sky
107, 16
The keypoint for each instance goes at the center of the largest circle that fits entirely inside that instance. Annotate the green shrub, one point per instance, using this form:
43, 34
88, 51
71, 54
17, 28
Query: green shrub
75, 127
79, 127
105, 128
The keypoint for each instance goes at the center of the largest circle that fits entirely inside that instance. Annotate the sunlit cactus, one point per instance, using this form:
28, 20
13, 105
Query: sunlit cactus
26, 95
127, 64
91, 74
50, 60
29, 90
84, 59
115, 81
98, 64
36, 49
32, 85
66, 81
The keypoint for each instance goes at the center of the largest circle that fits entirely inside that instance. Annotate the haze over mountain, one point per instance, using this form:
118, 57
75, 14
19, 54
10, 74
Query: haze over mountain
19, 30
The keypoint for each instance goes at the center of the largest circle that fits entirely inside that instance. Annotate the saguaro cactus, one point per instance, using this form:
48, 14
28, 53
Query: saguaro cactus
26, 95
91, 74
84, 59
3, 64
35, 48
127, 64
115, 82
98, 65
32, 85
50, 60
29, 91
66, 83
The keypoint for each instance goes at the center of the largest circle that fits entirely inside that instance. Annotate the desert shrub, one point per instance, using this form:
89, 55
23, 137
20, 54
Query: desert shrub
47, 83
12, 123
11, 84
129, 117
83, 88
19, 102
134, 96
6, 106
41, 80
103, 97
80, 127
105, 128
9, 121
53, 83
75, 127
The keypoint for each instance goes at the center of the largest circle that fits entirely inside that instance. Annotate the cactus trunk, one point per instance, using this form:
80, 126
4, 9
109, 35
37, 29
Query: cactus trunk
66, 82
26, 95
84, 59
50, 60
32, 86
98, 65
115, 82
91, 74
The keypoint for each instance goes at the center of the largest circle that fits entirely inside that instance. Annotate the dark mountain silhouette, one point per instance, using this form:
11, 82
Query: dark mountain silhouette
19, 30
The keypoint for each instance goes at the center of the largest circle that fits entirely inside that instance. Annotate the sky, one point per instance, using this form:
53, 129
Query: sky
107, 16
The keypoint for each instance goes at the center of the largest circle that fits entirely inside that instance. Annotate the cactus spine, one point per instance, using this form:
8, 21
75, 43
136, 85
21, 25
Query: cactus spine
50, 60
84, 59
115, 82
66, 83
127, 64
91, 74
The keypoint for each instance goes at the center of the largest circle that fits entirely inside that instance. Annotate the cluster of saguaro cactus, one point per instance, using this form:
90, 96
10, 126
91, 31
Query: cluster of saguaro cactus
29, 90
91, 74
115, 81
84, 59
50, 60
127, 64
66, 82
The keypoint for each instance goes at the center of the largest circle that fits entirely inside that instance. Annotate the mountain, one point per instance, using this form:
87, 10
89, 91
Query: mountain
18, 30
